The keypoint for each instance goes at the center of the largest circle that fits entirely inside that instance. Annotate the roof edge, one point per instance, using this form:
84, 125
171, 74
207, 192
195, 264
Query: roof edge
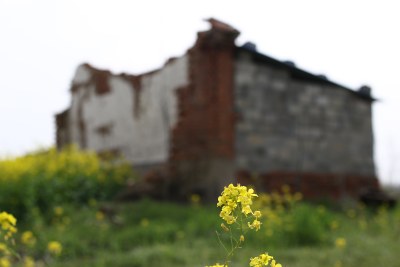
305, 74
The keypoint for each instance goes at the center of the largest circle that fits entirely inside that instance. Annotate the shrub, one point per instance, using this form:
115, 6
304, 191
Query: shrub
45, 179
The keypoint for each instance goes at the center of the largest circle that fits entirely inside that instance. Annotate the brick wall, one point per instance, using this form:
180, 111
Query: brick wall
202, 150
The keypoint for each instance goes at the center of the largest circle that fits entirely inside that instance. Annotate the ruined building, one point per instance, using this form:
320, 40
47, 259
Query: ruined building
222, 113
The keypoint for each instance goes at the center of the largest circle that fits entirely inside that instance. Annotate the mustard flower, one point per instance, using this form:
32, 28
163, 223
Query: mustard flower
4, 249
274, 264
54, 248
255, 225
257, 214
259, 261
235, 198
263, 260
236, 201
8, 222
29, 262
27, 238
340, 242
4, 262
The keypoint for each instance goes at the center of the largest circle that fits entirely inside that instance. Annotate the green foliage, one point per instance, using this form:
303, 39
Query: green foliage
309, 226
183, 235
147, 233
37, 182
71, 188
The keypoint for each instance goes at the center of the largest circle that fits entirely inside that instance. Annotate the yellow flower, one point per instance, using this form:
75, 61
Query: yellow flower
233, 200
99, 216
195, 199
8, 222
27, 238
4, 249
6, 218
54, 248
58, 211
334, 225
257, 214
236, 201
274, 264
255, 225
4, 262
263, 260
246, 209
340, 242
29, 262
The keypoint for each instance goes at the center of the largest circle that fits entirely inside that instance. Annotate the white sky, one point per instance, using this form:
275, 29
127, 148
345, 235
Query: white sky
42, 42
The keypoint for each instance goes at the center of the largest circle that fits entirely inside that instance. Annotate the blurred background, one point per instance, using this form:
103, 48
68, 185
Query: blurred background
43, 42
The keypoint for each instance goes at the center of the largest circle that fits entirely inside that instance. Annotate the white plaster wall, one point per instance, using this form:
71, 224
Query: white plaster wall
77, 98
82, 75
142, 139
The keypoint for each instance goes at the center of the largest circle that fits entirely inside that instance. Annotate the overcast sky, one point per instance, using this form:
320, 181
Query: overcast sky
42, 42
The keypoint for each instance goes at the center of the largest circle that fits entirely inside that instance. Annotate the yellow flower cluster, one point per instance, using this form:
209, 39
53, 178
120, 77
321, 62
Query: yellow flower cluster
8, 255
7, 222
236, 207
235, 200
263, 260
7, 229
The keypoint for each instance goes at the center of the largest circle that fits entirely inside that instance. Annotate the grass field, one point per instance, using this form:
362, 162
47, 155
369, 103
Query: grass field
148, 233
91, 230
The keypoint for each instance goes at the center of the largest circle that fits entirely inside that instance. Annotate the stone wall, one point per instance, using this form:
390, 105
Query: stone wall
298, 125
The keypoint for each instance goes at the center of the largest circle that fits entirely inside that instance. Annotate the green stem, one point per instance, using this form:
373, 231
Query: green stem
220, 241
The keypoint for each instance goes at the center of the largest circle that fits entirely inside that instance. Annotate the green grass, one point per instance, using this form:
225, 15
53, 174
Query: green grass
148, 233
59, 195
